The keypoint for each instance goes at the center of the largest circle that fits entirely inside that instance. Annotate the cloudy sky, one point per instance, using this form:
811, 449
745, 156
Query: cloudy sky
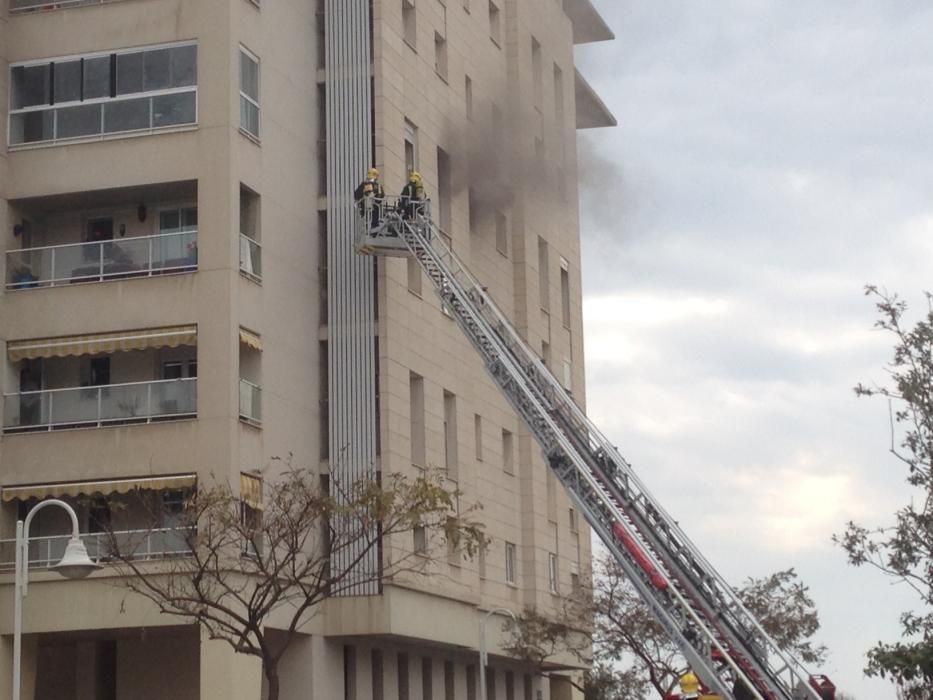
772, 158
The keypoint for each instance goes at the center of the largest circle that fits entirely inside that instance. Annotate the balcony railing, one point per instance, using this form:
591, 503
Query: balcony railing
35, 5
97, 406
250, 402
250, 257
45, 552
71, 263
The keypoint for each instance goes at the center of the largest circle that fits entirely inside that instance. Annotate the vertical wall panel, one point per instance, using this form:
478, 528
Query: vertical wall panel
352, 360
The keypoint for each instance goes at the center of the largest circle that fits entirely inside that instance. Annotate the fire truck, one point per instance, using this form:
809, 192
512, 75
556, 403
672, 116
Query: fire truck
723, 643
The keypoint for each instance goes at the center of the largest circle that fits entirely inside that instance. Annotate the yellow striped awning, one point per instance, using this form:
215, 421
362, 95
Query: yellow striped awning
74, 345
250, 339
251, 490
99, 488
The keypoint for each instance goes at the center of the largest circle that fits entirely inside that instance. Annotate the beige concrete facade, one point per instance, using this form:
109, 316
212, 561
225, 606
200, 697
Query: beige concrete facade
486, 93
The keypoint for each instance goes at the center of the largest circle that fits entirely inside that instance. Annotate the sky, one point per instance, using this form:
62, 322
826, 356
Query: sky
771, 159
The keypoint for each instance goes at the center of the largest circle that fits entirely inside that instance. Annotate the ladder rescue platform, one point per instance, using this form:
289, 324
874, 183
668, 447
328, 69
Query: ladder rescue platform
724, 644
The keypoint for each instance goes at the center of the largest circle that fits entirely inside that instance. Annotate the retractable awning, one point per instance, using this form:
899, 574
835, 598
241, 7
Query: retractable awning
250, 340
251, 490
74, 345
99, 488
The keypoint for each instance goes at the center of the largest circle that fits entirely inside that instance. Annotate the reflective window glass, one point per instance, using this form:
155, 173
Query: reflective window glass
30, 86
96, 77
157, 69
83, 120
174, 109
184, 66
126, 115
129, 73
67, 81
31, 127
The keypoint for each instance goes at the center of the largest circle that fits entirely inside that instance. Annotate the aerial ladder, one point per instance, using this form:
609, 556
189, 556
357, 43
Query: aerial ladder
720, 639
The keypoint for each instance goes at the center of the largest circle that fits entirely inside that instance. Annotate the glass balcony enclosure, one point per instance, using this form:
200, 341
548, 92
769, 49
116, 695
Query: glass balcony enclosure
98, 94
250, 257
250, 402
100, 236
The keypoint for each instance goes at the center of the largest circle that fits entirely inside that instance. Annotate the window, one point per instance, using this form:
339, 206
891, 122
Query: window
349, 673
546, 353
249, 93
537, 73
416, 396
502, 233
509, 563
378, 674
575, 583
402, 676
552, 572
564, 293
507, 453
101, 94
440, 56
409, 23
453, 542
443, 190
427, 679
490, 684
449, 692
568, 374
559, 99
411, 147
573, 519
471, 682
478, 436
544, 296
413, 272
250, 250
419, 540
450, 433
495, 24
481, 561
468, 97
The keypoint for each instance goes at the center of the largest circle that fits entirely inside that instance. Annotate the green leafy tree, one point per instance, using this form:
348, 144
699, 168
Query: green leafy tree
630, 652
254, 578
903, 549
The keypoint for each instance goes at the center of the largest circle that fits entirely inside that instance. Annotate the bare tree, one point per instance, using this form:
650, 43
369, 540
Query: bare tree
244, 567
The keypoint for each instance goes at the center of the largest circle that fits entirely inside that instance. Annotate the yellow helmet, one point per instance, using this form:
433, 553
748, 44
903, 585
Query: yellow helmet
372, 173
415, 177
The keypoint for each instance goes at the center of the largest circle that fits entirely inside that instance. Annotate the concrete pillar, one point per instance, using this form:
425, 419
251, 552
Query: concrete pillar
327, 669
226, 675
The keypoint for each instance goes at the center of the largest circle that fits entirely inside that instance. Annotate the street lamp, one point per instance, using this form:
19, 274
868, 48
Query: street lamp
75, 563
482, 647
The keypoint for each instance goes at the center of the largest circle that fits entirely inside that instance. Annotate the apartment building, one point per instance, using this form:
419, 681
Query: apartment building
181, 303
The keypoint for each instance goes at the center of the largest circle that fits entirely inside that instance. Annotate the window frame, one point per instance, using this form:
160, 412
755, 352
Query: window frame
255, 102
510, 552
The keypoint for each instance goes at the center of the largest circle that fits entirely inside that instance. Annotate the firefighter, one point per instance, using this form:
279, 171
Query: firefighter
412, 197
689, 686
369, 196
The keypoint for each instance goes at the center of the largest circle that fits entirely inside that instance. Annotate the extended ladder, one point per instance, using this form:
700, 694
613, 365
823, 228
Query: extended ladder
720, 639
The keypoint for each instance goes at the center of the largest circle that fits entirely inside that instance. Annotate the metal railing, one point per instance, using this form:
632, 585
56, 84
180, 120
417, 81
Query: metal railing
45, 552
250, 402
250, 257
97, 261
37, 5
97, 406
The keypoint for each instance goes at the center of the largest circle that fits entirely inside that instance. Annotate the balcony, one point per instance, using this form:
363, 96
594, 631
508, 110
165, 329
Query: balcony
102, 235
104, 379
99, 261
98, 406
145, 545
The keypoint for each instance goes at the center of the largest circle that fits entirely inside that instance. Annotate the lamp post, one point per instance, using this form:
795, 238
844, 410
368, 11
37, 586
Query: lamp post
482, 647
75, 563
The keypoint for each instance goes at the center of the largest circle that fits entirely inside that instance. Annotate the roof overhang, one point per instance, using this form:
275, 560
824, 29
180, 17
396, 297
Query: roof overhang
588, 25
592, 112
